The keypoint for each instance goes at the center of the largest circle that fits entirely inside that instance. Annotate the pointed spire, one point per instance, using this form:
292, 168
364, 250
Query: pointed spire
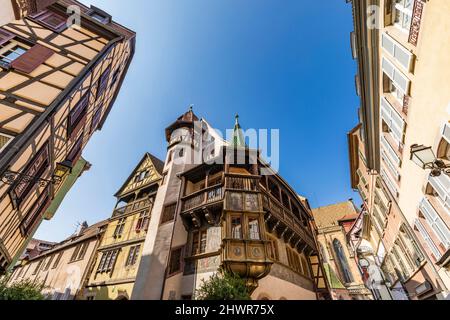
238, 135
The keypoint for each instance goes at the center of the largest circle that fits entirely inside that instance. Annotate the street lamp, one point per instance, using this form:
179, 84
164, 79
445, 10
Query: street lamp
61, 170
425, 158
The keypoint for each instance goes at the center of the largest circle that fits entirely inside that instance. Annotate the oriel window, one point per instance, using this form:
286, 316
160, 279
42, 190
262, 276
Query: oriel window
253, 227
236, 227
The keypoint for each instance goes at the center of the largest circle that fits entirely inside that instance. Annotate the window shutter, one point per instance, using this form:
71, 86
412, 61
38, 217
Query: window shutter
5, 36
43, 4
32, 59
400, 81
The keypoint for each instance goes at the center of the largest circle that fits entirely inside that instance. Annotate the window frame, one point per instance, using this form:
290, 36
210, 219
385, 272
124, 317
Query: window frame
181, 262
77, 115
165, 218
39, 19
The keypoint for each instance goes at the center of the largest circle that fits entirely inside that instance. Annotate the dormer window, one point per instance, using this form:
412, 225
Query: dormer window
99, 15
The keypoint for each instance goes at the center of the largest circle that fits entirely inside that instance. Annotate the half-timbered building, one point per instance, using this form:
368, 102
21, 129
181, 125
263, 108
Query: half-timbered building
215, 211
112, 274
61, 67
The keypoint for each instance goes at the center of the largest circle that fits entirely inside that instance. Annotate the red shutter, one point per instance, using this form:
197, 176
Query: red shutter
32, 59
5, 36
43, 4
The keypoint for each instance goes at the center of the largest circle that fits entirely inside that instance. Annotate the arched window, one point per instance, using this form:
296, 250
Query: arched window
342, 261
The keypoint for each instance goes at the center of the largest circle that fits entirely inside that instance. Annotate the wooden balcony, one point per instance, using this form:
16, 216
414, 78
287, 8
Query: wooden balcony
202, 198
242, 182
132, 207
286, 218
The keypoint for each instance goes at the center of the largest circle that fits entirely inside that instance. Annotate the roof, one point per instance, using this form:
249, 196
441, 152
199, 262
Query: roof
333, 279
333, 215
238, 139
86, 234
185, 120
157, 163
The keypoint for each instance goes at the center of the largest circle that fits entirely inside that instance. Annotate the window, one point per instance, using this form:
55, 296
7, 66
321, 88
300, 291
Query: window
397, 51
10, 52
77, 115
36, 212
49, 263
273, 250
79, 252
108, 261
141, 176
175, 261
52, 20
428, 241
38, 267
393, 120
96, 118
115, 76
58, 259
441, 190
103, 82
399, 80
402, 14
119, 228
342, 262
236, 227
436, 223
99, 15
4, 141
253, 225
133, 255
76, 150
143, 221
199, 242
169, 213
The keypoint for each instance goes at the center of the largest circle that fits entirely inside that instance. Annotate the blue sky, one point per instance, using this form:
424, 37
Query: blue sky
280, 64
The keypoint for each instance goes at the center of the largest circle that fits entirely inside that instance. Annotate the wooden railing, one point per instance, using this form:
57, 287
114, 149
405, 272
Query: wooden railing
287, 217
202, 197
241, 182
134, 206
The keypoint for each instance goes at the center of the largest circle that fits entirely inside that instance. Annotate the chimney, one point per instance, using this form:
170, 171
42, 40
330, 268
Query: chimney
82, 228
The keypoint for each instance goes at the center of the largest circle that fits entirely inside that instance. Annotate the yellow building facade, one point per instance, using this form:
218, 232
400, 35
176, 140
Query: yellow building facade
114, 268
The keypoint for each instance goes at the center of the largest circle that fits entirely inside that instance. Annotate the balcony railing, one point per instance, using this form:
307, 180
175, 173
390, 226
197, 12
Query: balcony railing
244, 183
202, 197
286, 216
135, 206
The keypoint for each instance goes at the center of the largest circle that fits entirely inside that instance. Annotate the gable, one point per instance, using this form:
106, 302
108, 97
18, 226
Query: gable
145, 174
